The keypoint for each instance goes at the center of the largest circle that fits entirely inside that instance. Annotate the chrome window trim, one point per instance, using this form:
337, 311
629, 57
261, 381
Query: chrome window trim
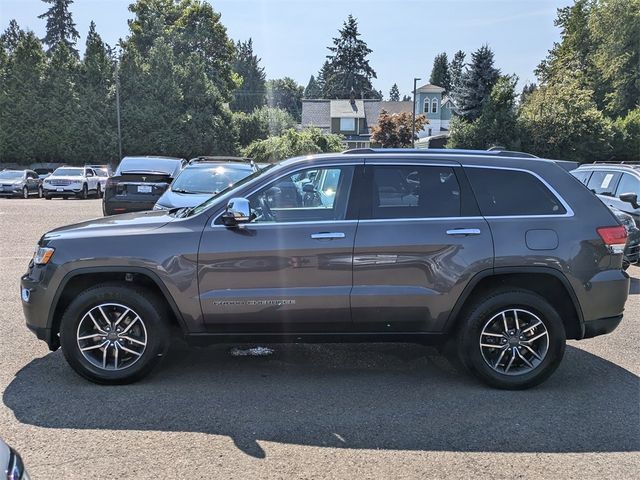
267, 224
569, 211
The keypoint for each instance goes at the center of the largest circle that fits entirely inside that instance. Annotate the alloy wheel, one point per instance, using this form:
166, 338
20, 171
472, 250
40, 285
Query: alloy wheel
111, 336
514, 341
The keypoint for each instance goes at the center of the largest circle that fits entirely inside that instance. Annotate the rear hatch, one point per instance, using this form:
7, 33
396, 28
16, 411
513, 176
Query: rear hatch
139, 186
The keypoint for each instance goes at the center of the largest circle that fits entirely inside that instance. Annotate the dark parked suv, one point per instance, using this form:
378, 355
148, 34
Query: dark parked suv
504, 258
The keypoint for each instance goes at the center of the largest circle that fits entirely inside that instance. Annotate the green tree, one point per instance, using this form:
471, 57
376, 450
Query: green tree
313, 89
528, 89
476, 83
285, 93
394, 93
561, 120
396, 130
455, 72
293, 143
21, 96
497, 125
61, 30
626, 141
261, 123
96, 121
406, 98
348, 67
11, 36
440, 72
252, 93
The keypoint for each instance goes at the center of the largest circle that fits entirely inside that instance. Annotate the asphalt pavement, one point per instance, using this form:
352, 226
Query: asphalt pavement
307, 411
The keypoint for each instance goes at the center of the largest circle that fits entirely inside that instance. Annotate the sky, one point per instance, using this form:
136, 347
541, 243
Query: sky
291, 36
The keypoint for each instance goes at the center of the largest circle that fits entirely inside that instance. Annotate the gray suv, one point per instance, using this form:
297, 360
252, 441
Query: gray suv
501, 258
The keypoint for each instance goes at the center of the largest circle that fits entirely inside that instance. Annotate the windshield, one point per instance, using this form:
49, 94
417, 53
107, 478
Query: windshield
69, 172
101, 172
11, 175
227, 192
209, 180
164, 165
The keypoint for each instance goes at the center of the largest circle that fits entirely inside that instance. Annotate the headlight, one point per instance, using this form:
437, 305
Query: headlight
43, 255
157, 206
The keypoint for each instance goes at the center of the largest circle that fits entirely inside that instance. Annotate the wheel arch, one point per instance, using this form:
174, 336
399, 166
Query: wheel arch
545, 281
81, 279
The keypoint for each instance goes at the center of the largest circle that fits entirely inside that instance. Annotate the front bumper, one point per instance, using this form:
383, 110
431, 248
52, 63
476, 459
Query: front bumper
35, 306
11, 191
64, 191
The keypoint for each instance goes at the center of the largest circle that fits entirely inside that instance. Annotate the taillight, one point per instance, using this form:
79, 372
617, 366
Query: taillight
614, 237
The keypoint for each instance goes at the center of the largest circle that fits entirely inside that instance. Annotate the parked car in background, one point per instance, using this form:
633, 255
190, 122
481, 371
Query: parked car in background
202, 178
632, 250
43, 172
11, 464
103, 172
67, 182
139, 182
504, 258
20, 183
617, 185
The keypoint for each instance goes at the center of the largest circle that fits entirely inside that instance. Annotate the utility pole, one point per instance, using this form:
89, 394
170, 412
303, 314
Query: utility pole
413, 123
118, 108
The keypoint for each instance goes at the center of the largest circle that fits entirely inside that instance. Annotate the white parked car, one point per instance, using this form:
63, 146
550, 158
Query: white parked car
68, 182
103, 172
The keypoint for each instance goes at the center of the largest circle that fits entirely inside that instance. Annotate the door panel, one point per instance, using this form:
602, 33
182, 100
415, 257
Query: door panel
414, 251
291, 268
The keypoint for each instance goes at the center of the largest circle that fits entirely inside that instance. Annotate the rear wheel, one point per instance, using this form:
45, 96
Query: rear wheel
99, 191
40, 192
513, 339
114, 334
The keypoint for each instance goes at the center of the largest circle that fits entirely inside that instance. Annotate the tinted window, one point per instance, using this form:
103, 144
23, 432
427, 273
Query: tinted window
582, 175
315, 194
148, 165
407, 191
628, 184
511, 192
211, 179
603, 182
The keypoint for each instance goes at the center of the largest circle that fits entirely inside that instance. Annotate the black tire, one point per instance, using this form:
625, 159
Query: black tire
40, 192
25, 192
98, 191
478, 315
85, 192
144, 303
47, 197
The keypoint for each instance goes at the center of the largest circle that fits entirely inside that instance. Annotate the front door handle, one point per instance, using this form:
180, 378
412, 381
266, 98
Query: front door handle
464, 231
327, 235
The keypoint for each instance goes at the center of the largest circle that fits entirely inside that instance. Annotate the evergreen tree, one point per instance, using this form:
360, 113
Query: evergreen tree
313, 89
348, 68
528, 89
252, 93
285, 93
455, 72
61, 30
440, 72
476, 83
21, 98
11, 36
97, 116
394, 93
406, 98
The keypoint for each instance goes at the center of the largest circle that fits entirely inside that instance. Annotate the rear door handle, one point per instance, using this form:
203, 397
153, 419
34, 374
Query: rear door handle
327, 235
464, 231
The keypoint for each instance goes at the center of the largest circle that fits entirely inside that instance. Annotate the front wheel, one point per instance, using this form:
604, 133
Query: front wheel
114, 334
85, 192
25, 192
40, 192
513, 339
98, 191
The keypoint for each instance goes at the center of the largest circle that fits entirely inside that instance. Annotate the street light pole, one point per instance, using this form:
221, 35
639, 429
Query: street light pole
118, 107
413, 123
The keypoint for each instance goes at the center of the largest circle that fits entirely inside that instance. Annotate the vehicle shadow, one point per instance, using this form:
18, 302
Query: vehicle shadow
634, 288
370, 396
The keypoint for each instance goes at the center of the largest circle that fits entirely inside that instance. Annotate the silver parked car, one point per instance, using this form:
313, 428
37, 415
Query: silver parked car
20, 183
11, 464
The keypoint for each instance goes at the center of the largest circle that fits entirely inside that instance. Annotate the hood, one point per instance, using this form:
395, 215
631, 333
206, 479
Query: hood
65, 177
171, 199
11, 181
124, 224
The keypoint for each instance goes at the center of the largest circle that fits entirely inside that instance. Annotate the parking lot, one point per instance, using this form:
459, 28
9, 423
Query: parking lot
306, 411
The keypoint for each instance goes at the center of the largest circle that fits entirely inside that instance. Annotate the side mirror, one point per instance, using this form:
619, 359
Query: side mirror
238, 211
631, 198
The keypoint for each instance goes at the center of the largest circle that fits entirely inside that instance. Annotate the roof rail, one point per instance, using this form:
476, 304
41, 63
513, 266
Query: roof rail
617, 162
441, 151
221, 158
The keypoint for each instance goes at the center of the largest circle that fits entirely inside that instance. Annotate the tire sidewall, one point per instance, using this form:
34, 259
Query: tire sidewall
25, 192
469, 348
139, 301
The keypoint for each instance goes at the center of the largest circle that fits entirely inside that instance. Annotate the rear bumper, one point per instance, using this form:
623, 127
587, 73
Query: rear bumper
115, 207
601, 326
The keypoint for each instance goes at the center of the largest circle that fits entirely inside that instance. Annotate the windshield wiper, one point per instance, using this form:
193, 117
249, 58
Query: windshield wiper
180, 190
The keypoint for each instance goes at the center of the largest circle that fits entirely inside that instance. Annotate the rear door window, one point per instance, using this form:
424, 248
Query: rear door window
604, 182
502, 192
409, 191
582, 175
628, 184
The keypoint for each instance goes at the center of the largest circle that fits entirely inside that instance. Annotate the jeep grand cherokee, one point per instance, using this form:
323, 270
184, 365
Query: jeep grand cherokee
504, 258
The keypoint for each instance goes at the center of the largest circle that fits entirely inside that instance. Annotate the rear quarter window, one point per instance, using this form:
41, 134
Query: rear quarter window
503, 192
